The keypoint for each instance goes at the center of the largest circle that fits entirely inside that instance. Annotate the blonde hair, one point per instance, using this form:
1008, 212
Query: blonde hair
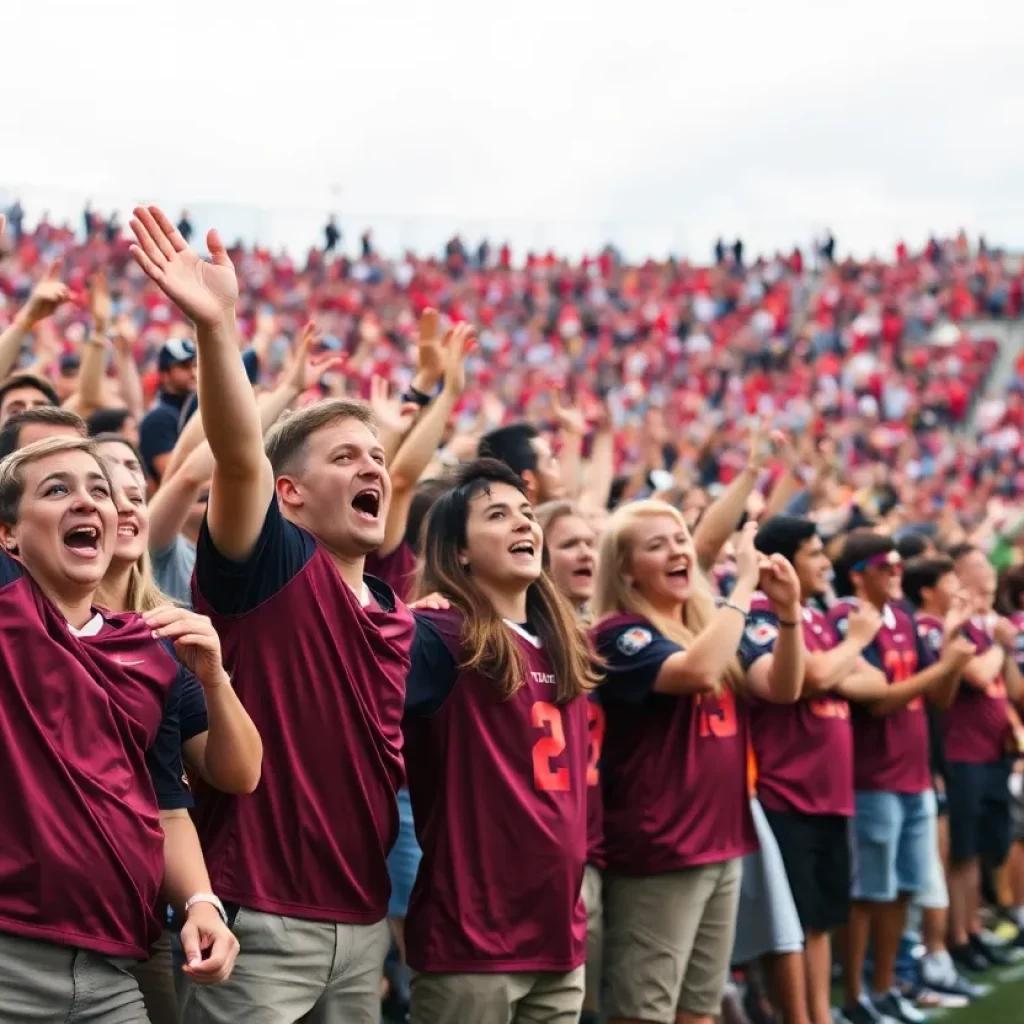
143, 594
12, 469
614, 595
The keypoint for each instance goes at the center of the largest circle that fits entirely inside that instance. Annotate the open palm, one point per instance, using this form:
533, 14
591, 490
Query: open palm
203, 291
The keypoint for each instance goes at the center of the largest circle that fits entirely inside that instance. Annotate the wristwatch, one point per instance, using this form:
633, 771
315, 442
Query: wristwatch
417, 397
207, 897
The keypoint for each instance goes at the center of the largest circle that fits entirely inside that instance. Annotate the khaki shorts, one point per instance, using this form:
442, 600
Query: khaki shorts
289, 969
156, 981
40, 981
668, 940
595, 928
540, 997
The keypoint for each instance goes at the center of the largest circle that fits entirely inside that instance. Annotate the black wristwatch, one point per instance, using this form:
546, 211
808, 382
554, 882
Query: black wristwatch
416, 396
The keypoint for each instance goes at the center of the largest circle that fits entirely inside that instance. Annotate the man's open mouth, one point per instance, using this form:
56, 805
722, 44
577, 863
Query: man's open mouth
367, 503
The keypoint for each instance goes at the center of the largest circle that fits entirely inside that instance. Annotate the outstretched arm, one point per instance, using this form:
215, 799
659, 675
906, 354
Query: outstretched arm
206, 293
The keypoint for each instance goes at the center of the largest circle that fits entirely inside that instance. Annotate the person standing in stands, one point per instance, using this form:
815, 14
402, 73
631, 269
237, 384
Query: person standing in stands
528, 454
892, 773
95, 814
931, 586
318, 654
496, 732
976, 736
674, 763
160, 427
804, 752
570, 559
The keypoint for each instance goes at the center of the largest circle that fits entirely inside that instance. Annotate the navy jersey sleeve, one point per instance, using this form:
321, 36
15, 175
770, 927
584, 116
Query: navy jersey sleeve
158, 434
929, 645
10, 569
163, 759
633, 657
433, 671
234, 588
759, 636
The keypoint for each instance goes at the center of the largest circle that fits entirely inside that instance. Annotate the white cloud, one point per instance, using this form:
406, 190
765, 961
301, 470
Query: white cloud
557, 123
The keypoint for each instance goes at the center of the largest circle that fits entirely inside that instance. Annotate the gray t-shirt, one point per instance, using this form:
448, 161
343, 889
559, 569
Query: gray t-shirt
172, 569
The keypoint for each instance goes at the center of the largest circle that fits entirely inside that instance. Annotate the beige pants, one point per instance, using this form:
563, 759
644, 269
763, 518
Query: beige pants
291, 970
668, 940
595, 928
536, 998
156, 981
41, 983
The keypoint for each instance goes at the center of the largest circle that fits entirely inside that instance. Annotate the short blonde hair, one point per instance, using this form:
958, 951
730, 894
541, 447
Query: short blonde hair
12, 469
286, 442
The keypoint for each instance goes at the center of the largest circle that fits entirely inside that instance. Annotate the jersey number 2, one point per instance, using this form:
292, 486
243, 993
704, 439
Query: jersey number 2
548, 718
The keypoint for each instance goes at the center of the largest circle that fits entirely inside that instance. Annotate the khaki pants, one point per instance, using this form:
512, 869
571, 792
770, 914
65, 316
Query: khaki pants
595, 928
41, 983
668, 940
531, 998
291, 970
156, 981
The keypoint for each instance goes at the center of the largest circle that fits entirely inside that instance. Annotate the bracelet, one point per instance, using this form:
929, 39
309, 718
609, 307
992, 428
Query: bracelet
734, 607
207, 897
787, 623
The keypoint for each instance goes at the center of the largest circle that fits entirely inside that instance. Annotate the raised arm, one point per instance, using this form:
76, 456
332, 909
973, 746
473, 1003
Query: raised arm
47, 296
421, 445
243, 482
779, 678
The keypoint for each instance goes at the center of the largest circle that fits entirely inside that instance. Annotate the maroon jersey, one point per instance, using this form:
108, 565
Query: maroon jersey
499, 796
595, 801
397, 570
673, 768
976, 725
890, 751
804, 751
323, 679
89, 751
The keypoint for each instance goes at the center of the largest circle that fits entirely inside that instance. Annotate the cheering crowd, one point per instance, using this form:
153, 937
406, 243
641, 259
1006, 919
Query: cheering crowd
641, 632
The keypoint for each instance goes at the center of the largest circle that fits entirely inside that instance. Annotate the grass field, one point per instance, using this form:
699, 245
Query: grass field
1003, 1005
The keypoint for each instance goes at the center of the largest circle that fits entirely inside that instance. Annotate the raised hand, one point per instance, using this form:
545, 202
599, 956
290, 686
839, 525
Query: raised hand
1005, 633
49, 294
570, 418
204, 292
957, 652
459, 342
780, 584
195, 642
100, 305
430, 355
748, 559
394, 416
303, 371
863, 624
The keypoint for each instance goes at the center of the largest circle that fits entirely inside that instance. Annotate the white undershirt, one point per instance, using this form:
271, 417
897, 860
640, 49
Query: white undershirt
91, 628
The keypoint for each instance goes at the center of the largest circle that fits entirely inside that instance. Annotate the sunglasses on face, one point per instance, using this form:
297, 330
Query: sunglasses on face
889, 561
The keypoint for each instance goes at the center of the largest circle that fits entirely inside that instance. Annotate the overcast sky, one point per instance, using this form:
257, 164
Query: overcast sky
552, 122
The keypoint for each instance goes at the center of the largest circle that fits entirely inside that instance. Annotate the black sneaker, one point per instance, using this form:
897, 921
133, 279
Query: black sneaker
864, 1012
967, 958
996, 957
893, 1005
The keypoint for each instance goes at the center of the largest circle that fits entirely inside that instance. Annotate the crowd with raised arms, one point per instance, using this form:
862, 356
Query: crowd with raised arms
320, 703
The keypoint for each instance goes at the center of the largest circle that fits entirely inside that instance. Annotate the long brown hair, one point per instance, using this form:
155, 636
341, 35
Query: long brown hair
489, 645
614, 595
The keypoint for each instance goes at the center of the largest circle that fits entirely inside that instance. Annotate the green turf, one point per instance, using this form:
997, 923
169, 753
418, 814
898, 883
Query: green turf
1003, 1005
